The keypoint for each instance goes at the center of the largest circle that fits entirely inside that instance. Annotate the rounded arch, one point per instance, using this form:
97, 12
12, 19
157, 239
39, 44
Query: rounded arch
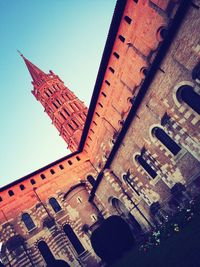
28, 221
45, 251
186, 94
55, 204
125, 214
166, 140
71, 235
174, 94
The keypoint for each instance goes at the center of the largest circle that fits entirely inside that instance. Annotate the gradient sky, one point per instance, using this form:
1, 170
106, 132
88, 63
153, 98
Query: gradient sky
65, 36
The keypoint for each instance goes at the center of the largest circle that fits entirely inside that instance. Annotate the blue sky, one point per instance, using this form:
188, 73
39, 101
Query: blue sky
65, 36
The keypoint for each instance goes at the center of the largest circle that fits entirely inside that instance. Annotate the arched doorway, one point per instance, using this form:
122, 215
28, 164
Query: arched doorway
49, 257
126, 215
73, 239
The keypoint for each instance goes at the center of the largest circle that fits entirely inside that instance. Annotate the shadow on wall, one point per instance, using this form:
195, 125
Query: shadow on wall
112, 238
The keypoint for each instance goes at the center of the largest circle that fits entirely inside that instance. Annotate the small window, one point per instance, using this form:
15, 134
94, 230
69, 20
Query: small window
91, 179
103, 94
95, 123
10, 193
22, 187
43, 176
94, 217
55, 105
116, 55
52, 171
97, 112
79, 199
121, 38
33, 181
70, 126
128, 19
107, 82
78, 158
1, 199
54, 204
111, 69
27, 220
100, 105
61, 166
69, 162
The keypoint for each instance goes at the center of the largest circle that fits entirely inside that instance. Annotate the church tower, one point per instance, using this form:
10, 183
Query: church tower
67, 112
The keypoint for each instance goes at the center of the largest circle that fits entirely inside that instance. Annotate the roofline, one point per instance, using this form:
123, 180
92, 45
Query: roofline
173, 28
116, 19
20, 180
114, 26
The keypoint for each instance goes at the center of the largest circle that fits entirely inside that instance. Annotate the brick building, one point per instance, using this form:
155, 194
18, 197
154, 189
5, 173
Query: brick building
138, 156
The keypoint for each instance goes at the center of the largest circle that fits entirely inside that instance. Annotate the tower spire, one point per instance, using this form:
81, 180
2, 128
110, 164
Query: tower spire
67, 112
34, 71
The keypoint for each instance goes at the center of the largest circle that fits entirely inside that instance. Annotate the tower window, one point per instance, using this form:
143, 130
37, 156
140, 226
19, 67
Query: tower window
54, 204
10, 193
187, 94
166, 140
121, 38
33, 181
52, 171
70, 126
22, 187
94, 217
146, 166
75, 123
43, 176
62, 116
61, 167
1, 199
66, 112
103, 94
116, 55
27, 220
55, 105
128, 19
69, 162
97, 114
78, 158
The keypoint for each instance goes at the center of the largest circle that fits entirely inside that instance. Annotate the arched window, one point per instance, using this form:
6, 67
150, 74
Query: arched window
54, 204
91, 179
187, 94
73, 239
26, 218
45, 252
166, 140
146, 166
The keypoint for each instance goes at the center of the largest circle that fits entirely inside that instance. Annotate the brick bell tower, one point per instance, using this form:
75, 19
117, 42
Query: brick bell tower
67, 112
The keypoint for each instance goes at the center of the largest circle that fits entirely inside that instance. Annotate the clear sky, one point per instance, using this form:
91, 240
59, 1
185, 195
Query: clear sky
65, 36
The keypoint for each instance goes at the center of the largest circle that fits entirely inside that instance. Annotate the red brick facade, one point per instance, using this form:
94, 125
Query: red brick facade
140, 143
